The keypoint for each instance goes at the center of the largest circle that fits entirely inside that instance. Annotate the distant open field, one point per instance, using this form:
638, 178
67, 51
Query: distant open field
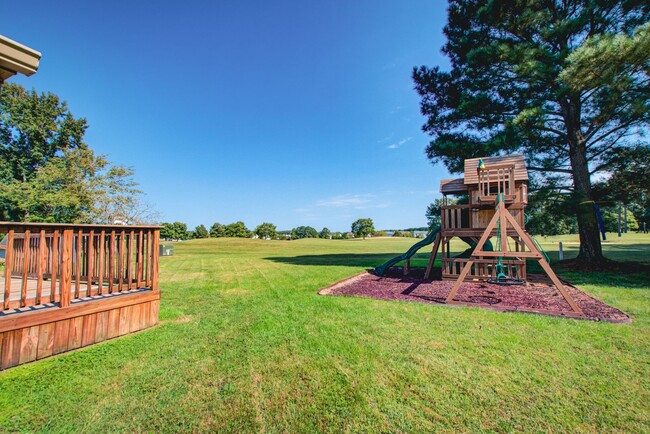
246, 344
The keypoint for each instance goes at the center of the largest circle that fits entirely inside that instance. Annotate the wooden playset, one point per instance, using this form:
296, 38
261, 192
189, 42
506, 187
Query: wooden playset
496, 194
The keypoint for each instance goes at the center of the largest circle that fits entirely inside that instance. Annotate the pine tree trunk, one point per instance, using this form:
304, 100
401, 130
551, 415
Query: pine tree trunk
590, 247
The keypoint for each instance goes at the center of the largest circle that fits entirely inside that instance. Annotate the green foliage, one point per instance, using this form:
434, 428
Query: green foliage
75, 187
630, 182
266, 231
237, 230
528, 76
548, 213
419, 228
630, 178
174, 231
363, 227
201, 232
217, 230
610, 219
34, 129
303, 232
47, 172
434, 211
325, 233
610, 64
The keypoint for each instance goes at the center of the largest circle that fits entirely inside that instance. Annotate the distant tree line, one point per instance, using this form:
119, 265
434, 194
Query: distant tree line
266, 231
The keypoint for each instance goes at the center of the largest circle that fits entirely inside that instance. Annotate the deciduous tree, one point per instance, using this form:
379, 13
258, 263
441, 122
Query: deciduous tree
217, 230
48, 173
363, 227
237, 230
304, 232
201, 232
173, 231
266, 231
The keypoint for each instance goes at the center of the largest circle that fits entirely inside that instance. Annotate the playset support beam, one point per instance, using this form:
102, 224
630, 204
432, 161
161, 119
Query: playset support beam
504, 217
434, 253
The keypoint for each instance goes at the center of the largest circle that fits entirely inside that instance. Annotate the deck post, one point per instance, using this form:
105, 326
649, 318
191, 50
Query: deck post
25, 265
66, 266
155, 257
9, 260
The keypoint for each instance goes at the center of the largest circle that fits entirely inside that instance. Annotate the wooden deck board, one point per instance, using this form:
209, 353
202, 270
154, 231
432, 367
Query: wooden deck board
16, 286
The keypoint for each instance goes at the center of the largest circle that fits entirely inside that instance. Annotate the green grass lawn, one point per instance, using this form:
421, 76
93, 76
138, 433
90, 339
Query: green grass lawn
246, 344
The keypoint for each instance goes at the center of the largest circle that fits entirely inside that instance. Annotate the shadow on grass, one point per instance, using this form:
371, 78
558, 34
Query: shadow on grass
368, 260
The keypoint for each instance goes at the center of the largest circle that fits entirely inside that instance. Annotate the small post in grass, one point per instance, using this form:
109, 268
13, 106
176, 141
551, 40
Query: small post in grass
619, 218
561, 252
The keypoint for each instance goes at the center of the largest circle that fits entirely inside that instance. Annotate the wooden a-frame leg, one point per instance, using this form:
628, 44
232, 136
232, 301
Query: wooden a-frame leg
460, 280
528, 242
434, 253
549, 271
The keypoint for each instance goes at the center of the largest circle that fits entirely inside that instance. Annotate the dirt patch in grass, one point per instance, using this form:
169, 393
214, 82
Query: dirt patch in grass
538, 295
183, 319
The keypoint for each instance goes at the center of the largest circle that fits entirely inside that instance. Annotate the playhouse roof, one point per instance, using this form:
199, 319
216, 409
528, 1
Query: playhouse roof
471, 166
453, 186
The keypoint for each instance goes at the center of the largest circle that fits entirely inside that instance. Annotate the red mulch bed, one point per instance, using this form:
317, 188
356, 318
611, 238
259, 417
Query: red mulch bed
538, 295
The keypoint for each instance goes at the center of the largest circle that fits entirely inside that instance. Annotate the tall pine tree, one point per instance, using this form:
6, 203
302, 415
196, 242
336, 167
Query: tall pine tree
563, 81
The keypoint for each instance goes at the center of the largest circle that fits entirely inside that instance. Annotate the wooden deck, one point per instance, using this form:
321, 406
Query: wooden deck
67, 286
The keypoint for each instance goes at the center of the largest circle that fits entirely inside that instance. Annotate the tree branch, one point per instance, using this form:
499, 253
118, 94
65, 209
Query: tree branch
555, 170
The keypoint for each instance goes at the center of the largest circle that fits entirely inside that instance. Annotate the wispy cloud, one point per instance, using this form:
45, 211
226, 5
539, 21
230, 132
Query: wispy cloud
341, 208
399, 143
345, 200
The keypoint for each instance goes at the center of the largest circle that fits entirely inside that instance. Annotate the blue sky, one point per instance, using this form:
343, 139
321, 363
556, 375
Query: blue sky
289, 112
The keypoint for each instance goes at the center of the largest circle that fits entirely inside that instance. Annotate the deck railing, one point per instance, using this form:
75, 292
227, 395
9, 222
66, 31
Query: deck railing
60, 263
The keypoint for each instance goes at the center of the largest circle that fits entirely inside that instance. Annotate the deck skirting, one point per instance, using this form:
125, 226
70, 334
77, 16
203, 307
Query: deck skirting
47, 331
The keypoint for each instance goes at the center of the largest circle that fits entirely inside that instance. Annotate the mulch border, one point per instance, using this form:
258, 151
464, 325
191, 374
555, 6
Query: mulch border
328, 291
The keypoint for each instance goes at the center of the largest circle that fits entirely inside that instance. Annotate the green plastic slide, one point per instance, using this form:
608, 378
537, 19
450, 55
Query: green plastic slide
430, 238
